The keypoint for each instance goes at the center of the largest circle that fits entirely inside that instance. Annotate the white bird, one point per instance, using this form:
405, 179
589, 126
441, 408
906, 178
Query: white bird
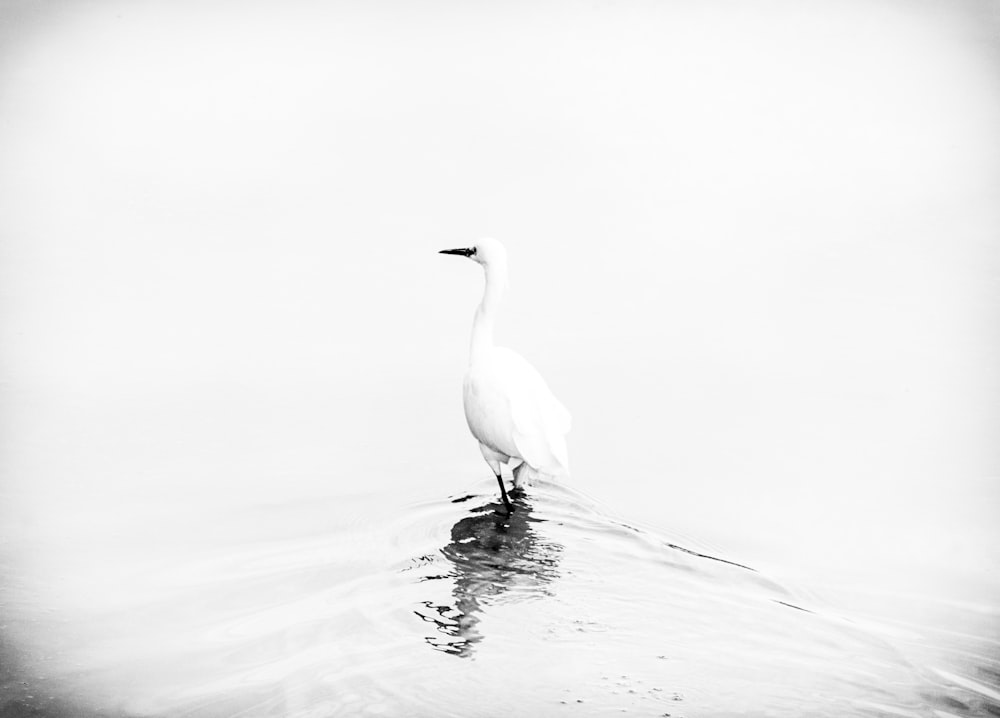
509, 408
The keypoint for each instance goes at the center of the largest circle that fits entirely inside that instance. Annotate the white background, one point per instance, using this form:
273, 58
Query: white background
753, 248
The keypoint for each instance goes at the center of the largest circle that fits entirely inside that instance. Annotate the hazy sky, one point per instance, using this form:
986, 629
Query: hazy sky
193, 184
745, 238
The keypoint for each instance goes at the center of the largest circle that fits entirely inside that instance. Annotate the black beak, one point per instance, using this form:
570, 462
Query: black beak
467, 252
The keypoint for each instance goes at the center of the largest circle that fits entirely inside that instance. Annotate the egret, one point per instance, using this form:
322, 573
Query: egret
509, 408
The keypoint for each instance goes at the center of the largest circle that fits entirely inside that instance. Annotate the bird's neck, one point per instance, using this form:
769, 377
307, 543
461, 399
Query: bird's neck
482, 325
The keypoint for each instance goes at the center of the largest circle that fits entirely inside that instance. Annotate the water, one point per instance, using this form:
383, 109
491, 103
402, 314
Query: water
304, 595
453, 609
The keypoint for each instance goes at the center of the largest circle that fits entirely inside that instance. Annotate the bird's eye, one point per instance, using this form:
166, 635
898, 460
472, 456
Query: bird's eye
473, 251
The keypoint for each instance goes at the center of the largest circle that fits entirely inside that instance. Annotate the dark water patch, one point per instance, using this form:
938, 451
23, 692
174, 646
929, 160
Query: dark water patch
491, 553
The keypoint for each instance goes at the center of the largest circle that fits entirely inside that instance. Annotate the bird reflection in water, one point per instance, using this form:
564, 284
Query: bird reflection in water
494, 558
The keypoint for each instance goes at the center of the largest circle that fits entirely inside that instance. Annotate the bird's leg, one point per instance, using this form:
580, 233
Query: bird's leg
503, 493
517, 489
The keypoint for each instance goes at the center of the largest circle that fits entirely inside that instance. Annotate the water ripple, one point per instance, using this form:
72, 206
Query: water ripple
588, 584
452, 608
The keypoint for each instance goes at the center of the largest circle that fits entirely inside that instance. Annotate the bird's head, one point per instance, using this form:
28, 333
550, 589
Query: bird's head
487, 252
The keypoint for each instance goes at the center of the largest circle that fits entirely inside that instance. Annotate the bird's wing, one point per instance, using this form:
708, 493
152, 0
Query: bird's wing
540, 421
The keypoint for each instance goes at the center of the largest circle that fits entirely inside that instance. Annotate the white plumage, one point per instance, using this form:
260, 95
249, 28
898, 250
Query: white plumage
509, 407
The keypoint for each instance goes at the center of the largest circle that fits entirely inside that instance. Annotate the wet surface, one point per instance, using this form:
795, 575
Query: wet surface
451, 607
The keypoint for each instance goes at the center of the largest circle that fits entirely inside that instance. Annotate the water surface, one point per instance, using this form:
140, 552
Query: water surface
350, 605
